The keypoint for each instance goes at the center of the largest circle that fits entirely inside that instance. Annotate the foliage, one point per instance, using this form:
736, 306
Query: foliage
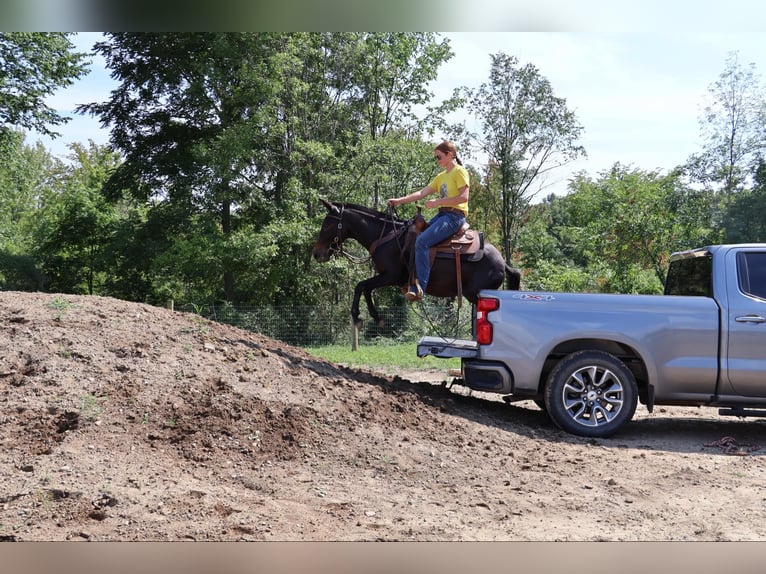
28, 178
222, 144
387, 166
34, 65
193, 130
746, 216
392, 74
550, 276
248, 132
189, 268
614, 234
77, 223
732, 128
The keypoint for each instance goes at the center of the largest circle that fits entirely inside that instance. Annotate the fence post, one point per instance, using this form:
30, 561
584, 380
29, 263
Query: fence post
355, 336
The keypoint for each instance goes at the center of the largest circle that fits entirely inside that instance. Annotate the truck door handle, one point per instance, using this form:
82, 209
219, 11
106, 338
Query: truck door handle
750, 319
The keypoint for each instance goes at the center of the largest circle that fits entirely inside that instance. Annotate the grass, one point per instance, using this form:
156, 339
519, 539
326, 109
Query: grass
61, 306
90, 406
395, 356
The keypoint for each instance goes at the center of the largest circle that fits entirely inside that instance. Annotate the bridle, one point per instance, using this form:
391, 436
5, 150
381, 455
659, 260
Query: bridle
336, 245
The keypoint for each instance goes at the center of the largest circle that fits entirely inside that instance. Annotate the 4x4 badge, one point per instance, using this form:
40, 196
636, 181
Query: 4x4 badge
533, 297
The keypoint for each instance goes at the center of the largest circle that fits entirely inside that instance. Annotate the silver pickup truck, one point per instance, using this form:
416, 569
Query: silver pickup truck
588, 359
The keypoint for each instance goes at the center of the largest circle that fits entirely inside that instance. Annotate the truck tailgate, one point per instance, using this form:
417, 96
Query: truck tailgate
446, 348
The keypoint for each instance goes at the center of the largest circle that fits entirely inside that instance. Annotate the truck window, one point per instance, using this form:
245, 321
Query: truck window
690, 276
751, 272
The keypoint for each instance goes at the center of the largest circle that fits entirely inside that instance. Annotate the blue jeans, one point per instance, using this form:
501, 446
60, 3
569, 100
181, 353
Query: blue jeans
441, 226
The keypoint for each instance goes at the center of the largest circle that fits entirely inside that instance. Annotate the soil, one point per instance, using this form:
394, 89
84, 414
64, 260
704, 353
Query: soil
126, 422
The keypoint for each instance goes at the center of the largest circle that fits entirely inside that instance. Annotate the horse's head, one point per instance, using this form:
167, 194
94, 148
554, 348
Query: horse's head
331, 234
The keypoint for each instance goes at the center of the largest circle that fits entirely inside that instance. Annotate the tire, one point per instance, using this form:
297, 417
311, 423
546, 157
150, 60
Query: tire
591, 393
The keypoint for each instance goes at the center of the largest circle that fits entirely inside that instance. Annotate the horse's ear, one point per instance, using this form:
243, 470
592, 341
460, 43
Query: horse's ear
331, 208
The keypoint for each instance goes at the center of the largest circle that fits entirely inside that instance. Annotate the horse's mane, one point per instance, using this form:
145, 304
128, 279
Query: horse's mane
368, 211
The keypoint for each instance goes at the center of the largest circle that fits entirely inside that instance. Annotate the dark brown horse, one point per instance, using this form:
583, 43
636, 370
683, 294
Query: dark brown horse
383, 237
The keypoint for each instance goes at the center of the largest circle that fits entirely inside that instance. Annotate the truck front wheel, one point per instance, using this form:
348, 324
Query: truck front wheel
591, 393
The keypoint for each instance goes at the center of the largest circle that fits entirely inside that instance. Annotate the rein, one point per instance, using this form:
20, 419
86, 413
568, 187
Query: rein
336, 245
435, 316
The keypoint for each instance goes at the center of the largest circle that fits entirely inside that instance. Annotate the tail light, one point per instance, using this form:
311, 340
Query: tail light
483, 326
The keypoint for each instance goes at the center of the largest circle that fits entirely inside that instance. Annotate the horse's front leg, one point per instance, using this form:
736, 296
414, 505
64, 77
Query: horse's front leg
355, 307
366, 288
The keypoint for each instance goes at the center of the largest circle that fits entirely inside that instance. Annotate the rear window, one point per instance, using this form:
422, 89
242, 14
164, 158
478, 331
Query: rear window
691, 276
751, 272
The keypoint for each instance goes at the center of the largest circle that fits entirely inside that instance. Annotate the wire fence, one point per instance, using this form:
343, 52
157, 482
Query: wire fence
319, 326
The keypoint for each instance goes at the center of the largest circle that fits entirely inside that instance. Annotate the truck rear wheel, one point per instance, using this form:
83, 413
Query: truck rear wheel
591, 393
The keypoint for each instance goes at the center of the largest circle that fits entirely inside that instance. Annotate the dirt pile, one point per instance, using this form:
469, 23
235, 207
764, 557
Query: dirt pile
126, 422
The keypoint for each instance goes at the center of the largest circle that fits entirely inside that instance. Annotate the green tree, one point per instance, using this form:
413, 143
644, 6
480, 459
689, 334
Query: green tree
246, 131
383, 77
393, 74
557, 247
376, 80
33, 66
129, 253
77, 222
619, 229
526, 131
733, 129
540, 240
747, 212
346, 134
194, 117
28, 176
482, 209
635, 227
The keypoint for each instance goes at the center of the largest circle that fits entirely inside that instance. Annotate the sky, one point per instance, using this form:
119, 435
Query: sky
638, 95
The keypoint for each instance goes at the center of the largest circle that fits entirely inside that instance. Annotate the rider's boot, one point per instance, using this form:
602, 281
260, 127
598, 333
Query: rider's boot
415, 293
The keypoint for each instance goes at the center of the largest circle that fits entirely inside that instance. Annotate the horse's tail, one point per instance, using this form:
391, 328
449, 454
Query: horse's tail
512, 278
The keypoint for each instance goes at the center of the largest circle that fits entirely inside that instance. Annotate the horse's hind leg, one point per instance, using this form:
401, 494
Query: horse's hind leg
372, 309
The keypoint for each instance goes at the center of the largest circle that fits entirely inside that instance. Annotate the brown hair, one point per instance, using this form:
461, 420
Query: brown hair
448, 147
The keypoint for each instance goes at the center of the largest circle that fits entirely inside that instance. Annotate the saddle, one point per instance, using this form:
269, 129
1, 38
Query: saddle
465, 241
465, 244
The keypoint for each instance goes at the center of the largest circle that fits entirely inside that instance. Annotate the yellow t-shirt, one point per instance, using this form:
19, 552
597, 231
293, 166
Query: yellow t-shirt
448, 184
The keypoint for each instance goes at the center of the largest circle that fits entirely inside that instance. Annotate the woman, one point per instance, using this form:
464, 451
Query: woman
452, 186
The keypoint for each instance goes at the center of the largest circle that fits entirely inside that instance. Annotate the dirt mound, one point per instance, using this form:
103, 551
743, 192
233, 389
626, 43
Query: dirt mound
122, 421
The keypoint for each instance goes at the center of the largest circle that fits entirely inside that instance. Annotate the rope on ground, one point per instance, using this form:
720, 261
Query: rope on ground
729, 445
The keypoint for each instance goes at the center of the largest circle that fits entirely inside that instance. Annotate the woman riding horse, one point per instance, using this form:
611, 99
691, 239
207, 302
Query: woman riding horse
382, 236
453, 187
